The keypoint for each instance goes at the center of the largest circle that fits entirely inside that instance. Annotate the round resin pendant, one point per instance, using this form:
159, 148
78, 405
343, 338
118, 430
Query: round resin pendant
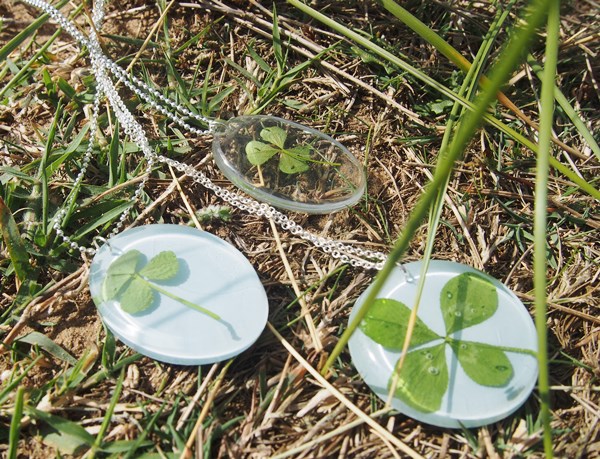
472, 359
288, 165
178, 295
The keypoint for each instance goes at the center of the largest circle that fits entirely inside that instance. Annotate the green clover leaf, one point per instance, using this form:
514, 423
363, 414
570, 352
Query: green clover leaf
119, 273
466, 300
162, 267
386, 323
485, 364
137, 297
259, 153
423, 380
274, 135
294, 160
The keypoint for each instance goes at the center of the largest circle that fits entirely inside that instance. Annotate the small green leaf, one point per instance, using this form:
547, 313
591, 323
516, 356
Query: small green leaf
300, 152
467, 299
77, 436
259, 153
386, 323
423, 379
485, 364
274, 135
120, 272
122, 446
163, 266
291, 165
441, 106
63, 442
137, 296
37, 339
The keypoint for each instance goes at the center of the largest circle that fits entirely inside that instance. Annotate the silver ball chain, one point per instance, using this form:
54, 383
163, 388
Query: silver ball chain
346, 253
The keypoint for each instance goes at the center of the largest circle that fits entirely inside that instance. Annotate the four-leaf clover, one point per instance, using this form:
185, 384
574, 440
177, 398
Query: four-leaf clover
465, 300
133, 283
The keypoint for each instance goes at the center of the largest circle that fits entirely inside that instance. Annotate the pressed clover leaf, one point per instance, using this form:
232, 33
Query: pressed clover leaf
485, 364
259, 153
274, 135
133, 286
137, 297
294, 160
423, 380
163, 266
465, 300
291, 160
386, 323
120, 272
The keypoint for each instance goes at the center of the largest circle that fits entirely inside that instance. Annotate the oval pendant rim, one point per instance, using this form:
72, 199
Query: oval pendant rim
263, 194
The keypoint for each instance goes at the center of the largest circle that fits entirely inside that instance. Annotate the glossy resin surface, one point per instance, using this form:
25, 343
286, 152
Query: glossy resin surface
288, 165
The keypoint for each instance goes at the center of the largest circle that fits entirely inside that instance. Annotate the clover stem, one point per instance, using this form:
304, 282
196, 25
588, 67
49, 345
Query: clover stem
516, 350
260, 176
177, 298
308, 160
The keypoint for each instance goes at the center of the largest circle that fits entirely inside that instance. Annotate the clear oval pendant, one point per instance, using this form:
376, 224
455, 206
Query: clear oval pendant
288, 165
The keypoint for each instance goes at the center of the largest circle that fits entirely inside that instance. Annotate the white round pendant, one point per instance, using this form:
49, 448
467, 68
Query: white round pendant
149, 283
472, 359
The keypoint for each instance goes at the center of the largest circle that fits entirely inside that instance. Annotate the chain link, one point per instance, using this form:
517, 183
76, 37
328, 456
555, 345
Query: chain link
101, 65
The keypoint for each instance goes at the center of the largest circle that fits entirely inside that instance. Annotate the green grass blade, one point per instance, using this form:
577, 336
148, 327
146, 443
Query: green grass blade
15, 42
102, 219
135, 42
21, 73
113, 156
277, 48
428, 34
37, 339
507, 62
5, 392
43, 172
379, 51
144, 434
101, 375
468, 88
15, 425
194, 39
68, 152
69, 429
540, 215
264, 66
119, 447
14, 244
109, 412
205, 87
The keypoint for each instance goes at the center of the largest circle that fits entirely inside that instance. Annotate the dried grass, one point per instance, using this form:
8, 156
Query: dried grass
285, 408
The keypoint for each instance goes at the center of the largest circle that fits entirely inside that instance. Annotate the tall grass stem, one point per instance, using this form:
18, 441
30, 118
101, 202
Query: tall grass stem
540, 214
467, 90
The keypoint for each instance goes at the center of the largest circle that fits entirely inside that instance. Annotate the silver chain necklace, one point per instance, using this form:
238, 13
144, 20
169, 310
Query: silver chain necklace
102, 67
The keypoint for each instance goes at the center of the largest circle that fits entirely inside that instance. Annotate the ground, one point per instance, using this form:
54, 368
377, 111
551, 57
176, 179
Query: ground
219, 57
